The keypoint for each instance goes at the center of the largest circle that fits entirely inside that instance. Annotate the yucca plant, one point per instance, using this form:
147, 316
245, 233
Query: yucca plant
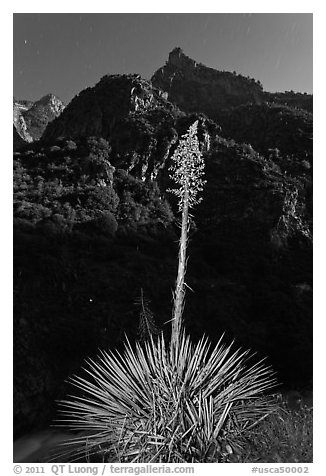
152, 404
173, 401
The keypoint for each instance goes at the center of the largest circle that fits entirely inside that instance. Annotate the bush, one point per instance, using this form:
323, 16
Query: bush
31, 211
70, 145
159, 403
106, 224
55, 148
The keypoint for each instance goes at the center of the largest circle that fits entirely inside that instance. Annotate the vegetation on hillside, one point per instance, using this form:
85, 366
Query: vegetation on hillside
273, 126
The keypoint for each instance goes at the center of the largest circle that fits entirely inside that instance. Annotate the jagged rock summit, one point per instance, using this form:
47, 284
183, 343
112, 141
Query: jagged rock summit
96, 111
41, 113
132, 115
31, 118
195, 87
52, 102
245, 112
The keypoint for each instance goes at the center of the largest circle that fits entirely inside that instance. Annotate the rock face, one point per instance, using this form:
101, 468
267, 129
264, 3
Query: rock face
20, 107
197, 88
239, 105
136, 118
31, 118
97, 111
41, 113
18, 141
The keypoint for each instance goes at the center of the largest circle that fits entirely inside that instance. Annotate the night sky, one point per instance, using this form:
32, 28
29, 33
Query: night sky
64, 53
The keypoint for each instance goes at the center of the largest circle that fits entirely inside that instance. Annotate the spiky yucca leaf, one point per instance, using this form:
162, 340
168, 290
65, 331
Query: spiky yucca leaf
156, 403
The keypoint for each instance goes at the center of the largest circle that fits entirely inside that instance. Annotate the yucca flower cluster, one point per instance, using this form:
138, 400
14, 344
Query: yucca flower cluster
188, 168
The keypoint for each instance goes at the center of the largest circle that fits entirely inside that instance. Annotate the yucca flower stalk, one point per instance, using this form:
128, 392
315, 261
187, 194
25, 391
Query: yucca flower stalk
186, 170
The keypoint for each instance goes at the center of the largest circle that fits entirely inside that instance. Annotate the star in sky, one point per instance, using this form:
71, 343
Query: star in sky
111, 43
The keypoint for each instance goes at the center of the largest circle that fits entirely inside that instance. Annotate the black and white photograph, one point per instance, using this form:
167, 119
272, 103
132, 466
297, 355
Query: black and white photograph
162, 239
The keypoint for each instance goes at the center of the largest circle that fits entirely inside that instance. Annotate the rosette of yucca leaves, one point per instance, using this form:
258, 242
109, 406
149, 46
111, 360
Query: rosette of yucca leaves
156, 403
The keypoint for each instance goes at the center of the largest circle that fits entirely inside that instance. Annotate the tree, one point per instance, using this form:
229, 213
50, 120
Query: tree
186, 171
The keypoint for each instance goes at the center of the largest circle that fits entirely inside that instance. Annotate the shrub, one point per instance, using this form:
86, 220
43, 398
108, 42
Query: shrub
99, 198
55, 148
156, 403
106, 224
31, 211
70, 145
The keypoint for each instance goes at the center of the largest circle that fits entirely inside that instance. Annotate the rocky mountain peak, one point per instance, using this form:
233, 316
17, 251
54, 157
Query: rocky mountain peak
31, 118
97, 110
178, 59
51, 101
196, 87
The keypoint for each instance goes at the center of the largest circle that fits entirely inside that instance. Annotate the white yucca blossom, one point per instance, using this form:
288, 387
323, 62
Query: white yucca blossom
188, 168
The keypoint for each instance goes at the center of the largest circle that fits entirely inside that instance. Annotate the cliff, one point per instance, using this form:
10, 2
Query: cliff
133, 116
239, 105
96, 111
197, 88
19, 107
31, 118
41, 114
